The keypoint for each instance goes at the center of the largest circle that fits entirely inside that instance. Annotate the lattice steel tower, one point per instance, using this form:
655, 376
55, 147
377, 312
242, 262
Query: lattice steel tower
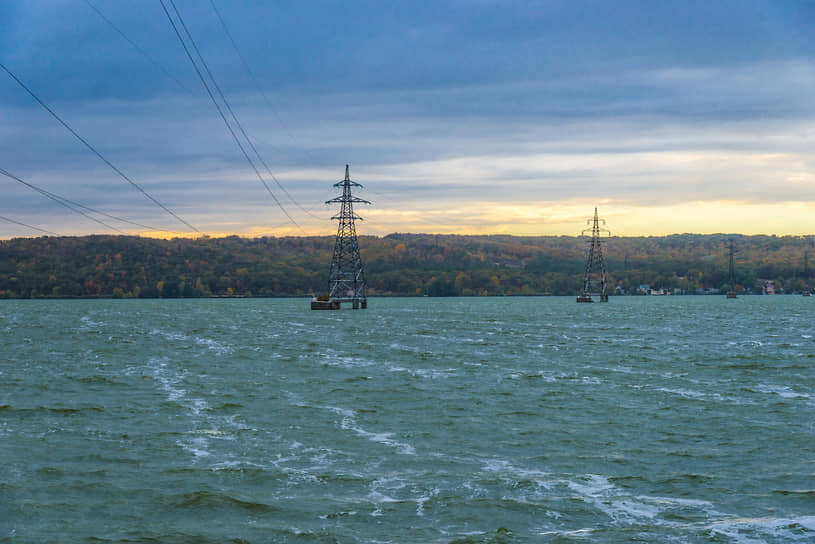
594, 281
346, 281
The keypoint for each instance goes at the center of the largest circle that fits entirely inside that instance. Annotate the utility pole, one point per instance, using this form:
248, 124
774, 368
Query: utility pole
346, 279
732, 273
594, 281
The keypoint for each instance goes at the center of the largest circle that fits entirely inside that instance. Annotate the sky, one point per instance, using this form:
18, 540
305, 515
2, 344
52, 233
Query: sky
469, 117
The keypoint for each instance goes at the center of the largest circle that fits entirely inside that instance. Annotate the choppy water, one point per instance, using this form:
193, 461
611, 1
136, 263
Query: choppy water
496, 420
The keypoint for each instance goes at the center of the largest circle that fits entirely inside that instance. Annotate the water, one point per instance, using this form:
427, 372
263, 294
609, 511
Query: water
498, 420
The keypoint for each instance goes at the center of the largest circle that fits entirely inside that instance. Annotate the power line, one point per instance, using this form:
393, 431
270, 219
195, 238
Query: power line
27, 226
268, 103
136, 46
59, 200
70, 204
214, 101
93, 149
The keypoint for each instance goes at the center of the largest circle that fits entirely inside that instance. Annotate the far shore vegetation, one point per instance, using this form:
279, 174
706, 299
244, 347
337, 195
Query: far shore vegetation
396, 265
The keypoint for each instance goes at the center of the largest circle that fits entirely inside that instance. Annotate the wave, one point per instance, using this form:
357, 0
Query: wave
501, 535
796, 492
68, 410
209, 501
745, 530
97, 379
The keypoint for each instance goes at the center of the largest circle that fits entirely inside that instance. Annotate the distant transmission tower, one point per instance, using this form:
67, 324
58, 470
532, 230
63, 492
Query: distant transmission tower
594, 281
732, 272
346, 280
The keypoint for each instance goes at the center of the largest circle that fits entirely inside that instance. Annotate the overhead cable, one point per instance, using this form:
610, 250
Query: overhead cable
27, 226
93, 149
60, 200
268, 103
70, 204
215, 101
136, 46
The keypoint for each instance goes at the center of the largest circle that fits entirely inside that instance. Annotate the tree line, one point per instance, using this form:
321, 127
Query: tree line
395, 265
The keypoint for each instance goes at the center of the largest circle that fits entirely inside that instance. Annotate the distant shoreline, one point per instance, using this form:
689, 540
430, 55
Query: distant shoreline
396, 265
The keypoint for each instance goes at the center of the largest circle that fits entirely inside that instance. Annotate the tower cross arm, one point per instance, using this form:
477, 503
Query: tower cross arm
341, 217
347, 182
344, 198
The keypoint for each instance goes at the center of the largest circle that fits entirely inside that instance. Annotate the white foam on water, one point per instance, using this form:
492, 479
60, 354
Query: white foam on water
385, 490
782, 391
232, 465
420, 505
88, 323
167, 335
169, 383
346, 362
504, 466
514, 475
433, 374
198, 405
679, 502
592, 485
425, 373
345, 412
692, 394
577, 533
338, 514
197, 446
209, 343
349, 423
607, 498
214, 345
628, 510
204, 426
384, 438
753, 530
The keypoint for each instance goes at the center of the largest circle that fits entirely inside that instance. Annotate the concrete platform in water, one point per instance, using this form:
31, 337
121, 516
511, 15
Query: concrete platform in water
587, 298
331, 304
317, 303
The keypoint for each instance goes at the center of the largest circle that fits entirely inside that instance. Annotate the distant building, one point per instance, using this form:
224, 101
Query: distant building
707, 291
644, 289
767, 287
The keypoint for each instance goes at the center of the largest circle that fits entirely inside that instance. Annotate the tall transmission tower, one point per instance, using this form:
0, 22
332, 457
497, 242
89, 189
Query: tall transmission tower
594, 281
346, 280
731, 275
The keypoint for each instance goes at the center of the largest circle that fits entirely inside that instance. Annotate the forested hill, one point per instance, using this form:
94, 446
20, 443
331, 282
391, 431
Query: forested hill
397, 264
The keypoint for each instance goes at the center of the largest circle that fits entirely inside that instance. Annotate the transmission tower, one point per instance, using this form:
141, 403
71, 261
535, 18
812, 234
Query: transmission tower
732, 273
594, 281
346, 280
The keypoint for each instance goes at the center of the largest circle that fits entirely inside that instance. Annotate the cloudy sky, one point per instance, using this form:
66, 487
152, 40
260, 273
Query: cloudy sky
457, 116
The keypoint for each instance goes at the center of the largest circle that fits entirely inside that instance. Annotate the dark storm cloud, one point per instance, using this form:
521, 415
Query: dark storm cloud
392, 87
